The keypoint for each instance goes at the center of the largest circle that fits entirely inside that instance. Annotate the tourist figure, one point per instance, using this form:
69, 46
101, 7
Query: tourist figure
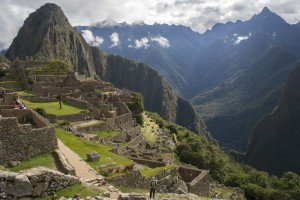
153, 184
216, 195
76, 197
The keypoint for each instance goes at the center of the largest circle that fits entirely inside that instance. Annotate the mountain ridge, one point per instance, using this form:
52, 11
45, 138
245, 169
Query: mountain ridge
47, 34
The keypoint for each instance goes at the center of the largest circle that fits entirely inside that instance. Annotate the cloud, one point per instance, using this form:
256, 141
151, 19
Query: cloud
162, 41
89, 38
143, 42
197, 14
240, 38
114, 38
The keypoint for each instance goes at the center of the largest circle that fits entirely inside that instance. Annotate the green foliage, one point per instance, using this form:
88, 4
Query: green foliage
150, 172
41, 111
63, 122
57, 67
106, 133
203, 153
45, 160
136, 106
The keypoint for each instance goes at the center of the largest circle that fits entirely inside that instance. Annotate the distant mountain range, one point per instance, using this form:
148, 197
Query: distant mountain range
234, 73
47, 34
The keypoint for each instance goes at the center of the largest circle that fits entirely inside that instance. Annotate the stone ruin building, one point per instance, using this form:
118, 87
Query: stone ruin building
24, 133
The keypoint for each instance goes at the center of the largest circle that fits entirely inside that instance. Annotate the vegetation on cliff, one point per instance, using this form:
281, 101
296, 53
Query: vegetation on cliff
205, 154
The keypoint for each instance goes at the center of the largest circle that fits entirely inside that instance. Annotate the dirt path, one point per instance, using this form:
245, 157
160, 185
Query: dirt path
82, 169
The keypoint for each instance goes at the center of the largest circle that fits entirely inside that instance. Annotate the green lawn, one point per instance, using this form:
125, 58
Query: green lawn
106, 133
81, 189
25, 94
82, 147
45, 160
149, 172
53, 108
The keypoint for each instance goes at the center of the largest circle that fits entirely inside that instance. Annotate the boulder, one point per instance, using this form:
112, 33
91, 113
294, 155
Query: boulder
20, 187
182, 187
93, 156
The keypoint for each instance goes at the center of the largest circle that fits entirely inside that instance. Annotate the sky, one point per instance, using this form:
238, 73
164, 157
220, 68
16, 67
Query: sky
200, 15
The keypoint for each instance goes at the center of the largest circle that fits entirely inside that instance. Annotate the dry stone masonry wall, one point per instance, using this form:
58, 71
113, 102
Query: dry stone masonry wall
33, 183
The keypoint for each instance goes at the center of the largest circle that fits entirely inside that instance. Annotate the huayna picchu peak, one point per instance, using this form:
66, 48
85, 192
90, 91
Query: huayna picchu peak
47, 34
109, 107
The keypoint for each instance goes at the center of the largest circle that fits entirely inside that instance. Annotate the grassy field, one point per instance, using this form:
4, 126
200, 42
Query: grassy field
53, 108
106, 133
45, 160
150, 129
82, 147
25, 94
149, 172
81, 189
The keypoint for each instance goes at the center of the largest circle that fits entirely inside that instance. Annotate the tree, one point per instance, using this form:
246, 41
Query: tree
57, 67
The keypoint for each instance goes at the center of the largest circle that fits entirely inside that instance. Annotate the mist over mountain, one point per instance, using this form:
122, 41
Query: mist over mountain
234, 73
47, 34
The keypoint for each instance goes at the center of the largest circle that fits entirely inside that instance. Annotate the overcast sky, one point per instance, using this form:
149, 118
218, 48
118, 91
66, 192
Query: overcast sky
198, 14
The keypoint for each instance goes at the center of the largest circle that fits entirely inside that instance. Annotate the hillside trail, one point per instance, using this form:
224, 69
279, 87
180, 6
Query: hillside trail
86, 172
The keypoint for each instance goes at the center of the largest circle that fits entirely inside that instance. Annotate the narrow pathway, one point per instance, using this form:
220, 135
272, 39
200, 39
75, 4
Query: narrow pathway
82, 169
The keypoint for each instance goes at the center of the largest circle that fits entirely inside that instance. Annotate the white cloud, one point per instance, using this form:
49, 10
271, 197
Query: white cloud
143, 42
197, 14
114, 38
91, 39
240, 38
162, 41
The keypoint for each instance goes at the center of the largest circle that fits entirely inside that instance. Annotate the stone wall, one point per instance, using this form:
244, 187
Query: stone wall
18, 142
40, 99
132, 133
149, 163
63, 163
188, 173
76, 102
33, 183
95, 127
200, 185
168, 181
136, 141
74, 117
125, 121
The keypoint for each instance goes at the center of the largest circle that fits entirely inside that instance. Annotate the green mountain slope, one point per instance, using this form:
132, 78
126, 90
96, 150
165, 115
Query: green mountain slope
47, 34
275, 143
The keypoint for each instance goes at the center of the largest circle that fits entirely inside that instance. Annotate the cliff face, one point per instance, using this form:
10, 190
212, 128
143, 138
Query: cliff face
275, 143
47, 34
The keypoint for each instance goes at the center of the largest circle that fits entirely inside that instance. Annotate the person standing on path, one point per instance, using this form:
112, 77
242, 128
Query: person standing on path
153, 184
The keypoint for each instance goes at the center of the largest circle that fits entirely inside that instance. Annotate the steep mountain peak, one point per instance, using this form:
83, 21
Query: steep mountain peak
267, 16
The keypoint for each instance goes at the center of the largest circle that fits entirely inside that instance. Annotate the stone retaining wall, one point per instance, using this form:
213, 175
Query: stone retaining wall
74, 118
63, 163
76, 102
200, 185
149, 163
40, 99
21, 141
136, 141
33, 183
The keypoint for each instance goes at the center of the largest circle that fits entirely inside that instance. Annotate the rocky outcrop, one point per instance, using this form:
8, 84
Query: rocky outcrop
274, 146
47, 34
34, 182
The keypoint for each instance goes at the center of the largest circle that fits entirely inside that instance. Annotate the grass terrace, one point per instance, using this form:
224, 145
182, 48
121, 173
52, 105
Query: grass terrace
53, 108
45, 160
106, 133
149, 130
82, 147
81, 189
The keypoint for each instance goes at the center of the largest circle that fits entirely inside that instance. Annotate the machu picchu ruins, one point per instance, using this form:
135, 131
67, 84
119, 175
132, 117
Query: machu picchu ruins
103, 108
